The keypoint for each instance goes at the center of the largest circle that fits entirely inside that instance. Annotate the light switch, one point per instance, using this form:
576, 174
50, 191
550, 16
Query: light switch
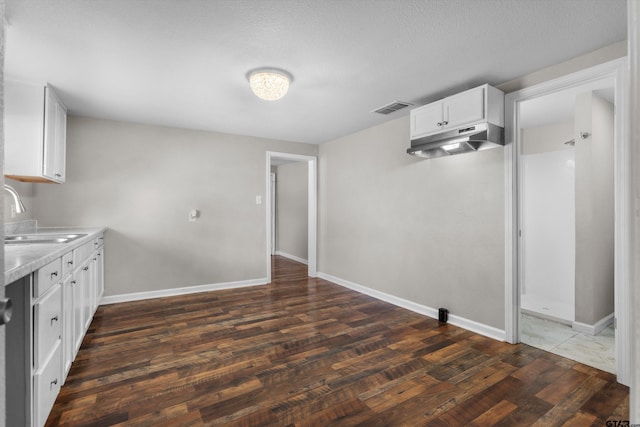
258, 200
193, 215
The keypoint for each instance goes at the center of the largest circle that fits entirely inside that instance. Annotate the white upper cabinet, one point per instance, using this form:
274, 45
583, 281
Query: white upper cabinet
481, 104
428, 120
35, 133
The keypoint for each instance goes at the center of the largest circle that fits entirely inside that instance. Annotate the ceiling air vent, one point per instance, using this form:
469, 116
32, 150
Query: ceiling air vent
392, 107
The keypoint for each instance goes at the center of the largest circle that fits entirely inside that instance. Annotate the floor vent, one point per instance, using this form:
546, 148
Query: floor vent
392, 107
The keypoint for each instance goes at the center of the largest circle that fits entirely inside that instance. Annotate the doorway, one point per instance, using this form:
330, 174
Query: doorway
601, 82
566, 216
273, 159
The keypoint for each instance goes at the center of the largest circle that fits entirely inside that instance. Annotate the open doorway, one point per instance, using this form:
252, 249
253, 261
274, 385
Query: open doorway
289, 210
291, 166
595, 83
566, 216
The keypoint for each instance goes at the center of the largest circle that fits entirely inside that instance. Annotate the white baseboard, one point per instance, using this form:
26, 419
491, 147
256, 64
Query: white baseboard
292, 257
473, 326
136, 296
594, 329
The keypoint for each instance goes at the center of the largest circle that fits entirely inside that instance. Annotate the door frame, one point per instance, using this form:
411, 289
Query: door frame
617, 71
312, 202
272, 206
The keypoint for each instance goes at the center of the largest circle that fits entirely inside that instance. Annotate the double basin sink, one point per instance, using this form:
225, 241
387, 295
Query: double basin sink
33, 239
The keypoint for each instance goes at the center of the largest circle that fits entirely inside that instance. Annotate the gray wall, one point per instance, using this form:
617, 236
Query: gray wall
594, 209
292, 209
141, 181
542, 139
430, 231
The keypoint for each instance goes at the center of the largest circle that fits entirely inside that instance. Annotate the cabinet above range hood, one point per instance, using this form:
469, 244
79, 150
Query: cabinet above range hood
469, 121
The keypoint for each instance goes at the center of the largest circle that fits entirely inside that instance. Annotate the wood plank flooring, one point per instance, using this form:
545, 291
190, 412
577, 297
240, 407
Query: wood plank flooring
306, 352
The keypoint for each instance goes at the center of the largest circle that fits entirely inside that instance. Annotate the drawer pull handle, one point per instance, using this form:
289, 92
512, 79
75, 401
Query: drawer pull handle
73, 282
69, 262
86, 268
54, 382
54, 274
54, 319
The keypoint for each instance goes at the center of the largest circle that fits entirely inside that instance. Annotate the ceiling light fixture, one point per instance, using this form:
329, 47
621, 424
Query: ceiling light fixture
269, 84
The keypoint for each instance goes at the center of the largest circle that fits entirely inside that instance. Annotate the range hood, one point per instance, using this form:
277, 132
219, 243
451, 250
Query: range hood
478, 137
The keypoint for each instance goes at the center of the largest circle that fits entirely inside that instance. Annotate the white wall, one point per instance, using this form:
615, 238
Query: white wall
430, 231
141, 181
292, 209
594, 209
548, 231
634, 128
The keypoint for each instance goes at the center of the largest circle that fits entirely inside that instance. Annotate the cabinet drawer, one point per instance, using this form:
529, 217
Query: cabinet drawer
81, 254
46, 384
47, 323
67, 263
47, 276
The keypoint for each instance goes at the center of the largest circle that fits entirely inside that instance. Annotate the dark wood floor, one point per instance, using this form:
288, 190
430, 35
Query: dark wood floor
306, 352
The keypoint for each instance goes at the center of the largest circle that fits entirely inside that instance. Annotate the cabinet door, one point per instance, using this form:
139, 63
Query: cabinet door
99, 276
78, 314
68, 340
426, 119
97, 285
55, 131
87, 299
47, 313
466, 107
46, 384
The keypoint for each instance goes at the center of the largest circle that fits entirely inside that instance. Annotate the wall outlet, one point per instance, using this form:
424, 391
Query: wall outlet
258, 200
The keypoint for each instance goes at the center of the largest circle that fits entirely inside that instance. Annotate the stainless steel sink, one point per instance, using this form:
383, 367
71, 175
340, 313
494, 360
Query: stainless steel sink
34, 239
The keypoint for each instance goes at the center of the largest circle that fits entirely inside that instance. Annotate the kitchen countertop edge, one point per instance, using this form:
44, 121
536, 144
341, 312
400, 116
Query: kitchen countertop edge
22, 260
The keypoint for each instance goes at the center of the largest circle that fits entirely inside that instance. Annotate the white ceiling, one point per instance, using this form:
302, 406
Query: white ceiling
183, 63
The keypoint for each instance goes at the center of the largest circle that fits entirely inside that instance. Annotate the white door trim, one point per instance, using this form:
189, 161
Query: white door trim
615, 70
312, 225
272, 206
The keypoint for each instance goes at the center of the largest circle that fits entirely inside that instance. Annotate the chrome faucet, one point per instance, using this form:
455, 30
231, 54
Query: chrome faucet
16, 198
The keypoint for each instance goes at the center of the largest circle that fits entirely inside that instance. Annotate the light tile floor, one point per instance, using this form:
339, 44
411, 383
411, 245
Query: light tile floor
597, 351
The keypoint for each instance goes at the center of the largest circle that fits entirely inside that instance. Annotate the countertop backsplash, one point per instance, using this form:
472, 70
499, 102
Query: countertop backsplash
21, 227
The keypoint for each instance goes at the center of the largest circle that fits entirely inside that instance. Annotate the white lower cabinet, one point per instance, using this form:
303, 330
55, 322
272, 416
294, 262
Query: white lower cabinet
68, 343
55, 306
47, 320
77, 289
47, 360
46, 385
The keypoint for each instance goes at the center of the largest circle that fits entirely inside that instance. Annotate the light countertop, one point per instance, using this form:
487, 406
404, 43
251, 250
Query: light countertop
23, 259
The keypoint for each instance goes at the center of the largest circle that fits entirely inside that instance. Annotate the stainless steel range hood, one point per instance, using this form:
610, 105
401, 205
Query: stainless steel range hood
457, 141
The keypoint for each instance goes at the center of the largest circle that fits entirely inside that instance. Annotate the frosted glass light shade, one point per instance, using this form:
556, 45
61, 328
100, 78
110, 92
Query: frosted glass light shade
269, 85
